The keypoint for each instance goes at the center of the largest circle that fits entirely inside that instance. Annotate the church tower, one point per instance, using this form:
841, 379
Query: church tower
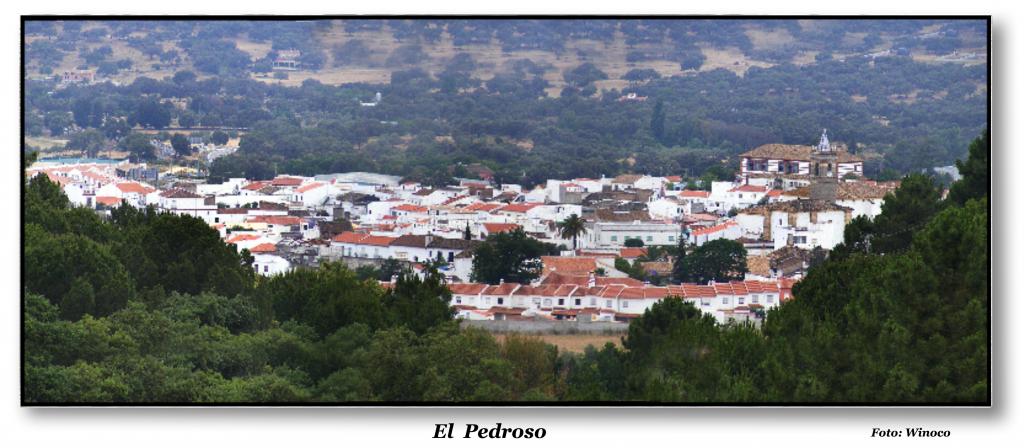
824, 166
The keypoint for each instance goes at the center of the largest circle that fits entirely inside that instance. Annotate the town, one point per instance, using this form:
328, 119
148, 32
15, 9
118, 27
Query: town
786, 203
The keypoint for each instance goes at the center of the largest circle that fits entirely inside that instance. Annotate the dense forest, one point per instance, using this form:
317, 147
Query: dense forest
898, 313
440, 114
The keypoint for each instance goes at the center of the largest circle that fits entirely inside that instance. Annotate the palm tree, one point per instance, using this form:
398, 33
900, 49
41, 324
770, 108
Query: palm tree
572, 227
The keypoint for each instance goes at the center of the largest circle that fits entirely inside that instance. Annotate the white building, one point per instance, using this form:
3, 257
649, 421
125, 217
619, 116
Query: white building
269, 265
802, 223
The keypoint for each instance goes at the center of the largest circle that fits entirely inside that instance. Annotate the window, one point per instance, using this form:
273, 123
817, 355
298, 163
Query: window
771, 298
561, 302
607, 303
458, 299
650, 238
614, 238
536, 301
799, 240
725, 300
593, 301
487, 301
705, 302
266, 268
755, 299
577, 302
547, 302
625, 304
782, 166
216, 220
501, 301
671, 238
740, 300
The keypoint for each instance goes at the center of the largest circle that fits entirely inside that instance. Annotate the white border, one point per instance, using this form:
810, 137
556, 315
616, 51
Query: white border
596, 426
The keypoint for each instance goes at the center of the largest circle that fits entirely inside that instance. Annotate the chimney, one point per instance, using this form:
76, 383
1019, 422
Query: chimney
592, 281
501, 281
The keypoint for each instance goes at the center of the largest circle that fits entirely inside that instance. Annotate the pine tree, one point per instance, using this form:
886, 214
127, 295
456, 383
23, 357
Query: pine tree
658, 122
678, 267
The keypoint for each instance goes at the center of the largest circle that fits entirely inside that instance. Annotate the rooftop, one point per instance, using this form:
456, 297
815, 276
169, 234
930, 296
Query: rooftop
794, 152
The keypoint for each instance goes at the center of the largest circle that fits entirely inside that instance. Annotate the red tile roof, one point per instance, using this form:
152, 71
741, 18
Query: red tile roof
633, 252
109, 201
559, 278
470, 289
611, 291
349, 237
694, 194
482, 206
263, 248
242, 237
286, 181
498, 227
257, 185
503, 289
134, 187
750, 189
409, 208
309, 186
569, 265
276, 220
519, 208
377, 240
712, 229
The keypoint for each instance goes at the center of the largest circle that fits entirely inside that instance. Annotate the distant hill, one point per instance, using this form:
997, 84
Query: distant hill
354, 51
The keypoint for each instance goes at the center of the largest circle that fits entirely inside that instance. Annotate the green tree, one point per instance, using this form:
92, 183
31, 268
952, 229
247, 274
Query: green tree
138, 147
975, 172
115, 128
679, 267
151, 113
326, 298
419, 304
572, 227
658, 121
633, 242
904, 211
509, 256
181, 145
718, 260
219, 137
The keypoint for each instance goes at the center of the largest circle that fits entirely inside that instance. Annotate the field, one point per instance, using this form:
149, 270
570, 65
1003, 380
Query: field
575, 343
609, 57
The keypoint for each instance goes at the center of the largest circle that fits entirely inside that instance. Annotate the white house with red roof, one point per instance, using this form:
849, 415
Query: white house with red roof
669, 207
269, 265
727, 196
184, 202
730, 230
134, 193
607, 299
311, 194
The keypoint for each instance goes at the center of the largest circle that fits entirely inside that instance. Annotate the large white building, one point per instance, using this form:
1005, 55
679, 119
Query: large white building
789, 166
803, 223
561, 297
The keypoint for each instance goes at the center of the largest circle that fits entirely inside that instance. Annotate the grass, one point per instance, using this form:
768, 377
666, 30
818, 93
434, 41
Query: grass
575, 343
